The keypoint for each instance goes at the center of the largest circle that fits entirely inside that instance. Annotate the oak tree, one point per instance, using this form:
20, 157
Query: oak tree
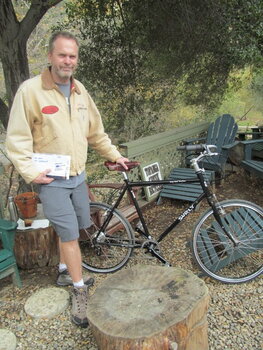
13, 46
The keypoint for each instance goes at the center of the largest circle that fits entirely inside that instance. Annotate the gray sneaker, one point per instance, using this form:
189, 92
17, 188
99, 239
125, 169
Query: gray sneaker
64, 279
79, 306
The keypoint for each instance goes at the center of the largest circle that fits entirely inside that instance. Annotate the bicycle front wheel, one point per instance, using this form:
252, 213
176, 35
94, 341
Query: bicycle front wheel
216, 254
111, 250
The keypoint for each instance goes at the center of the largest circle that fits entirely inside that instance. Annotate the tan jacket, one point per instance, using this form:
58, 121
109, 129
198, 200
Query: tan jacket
40, 121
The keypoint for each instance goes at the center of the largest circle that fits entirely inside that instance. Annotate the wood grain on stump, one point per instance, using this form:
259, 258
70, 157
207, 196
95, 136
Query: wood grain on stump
150, 308
36, 248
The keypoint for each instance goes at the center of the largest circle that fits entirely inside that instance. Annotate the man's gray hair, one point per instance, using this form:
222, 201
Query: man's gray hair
60, 34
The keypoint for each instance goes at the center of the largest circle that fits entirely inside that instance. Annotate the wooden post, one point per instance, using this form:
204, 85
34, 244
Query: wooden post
150, 308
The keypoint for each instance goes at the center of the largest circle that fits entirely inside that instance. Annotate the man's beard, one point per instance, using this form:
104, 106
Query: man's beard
64, 75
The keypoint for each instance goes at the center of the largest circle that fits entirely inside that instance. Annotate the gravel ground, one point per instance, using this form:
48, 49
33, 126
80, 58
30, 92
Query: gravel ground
234, 316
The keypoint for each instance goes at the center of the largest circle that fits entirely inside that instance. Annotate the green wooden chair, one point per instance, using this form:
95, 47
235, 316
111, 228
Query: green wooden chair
251, 165
222, 133
8, 265
185, 192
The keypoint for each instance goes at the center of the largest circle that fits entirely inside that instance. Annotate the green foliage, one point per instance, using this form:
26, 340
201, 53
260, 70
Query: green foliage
201, 42
141, 58
112, 69
244, 99
257, 90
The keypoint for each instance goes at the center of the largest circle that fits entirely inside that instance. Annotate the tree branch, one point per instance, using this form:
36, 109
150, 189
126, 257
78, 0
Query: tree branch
36, 11
8, 21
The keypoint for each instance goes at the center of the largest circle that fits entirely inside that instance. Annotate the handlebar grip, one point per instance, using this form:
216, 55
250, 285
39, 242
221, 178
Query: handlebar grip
191, 148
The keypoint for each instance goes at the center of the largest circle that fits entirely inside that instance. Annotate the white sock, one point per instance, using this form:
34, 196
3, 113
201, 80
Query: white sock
78, 284
62, 267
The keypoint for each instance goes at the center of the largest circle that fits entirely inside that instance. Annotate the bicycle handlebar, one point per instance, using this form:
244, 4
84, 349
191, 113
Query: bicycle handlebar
198, 147
206, 149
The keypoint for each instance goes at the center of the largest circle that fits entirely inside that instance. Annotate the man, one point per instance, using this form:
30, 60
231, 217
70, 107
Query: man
53, 113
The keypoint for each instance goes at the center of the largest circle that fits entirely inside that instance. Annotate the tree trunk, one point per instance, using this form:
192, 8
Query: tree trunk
150, 308
15, 67
13, 41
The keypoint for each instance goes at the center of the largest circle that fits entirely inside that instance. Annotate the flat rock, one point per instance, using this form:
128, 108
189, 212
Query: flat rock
7, 340
47, 302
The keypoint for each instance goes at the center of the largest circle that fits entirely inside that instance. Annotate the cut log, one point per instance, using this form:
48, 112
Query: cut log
150, 308
236, 154
36, 248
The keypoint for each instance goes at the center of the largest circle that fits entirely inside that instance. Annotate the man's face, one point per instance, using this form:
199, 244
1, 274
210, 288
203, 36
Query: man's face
63, 59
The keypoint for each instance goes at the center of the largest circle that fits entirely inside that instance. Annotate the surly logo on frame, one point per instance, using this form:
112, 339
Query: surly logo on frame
188, 211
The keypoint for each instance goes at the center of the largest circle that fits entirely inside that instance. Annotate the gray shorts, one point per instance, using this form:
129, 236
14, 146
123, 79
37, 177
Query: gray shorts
67, 209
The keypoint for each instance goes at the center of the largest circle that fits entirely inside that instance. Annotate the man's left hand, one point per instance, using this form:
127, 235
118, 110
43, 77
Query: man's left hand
122, 162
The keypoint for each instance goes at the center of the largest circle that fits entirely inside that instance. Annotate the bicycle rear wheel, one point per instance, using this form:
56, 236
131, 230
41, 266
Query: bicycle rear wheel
111, 250
215, 253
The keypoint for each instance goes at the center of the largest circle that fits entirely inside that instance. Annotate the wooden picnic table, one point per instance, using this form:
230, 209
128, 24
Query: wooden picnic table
255, 131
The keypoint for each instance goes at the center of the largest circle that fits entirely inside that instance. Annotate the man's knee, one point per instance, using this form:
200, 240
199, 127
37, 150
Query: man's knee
72, 244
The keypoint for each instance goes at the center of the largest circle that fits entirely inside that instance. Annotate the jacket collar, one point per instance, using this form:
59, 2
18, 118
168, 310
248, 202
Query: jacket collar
49, 84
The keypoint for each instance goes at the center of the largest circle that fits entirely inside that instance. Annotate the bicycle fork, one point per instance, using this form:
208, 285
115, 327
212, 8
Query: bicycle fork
216, 209
214, 204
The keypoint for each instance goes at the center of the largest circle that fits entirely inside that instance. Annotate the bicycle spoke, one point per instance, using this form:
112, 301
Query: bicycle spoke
221, 258
111, 249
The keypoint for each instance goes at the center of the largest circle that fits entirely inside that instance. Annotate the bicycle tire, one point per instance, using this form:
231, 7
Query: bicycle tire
113, 248
215, 253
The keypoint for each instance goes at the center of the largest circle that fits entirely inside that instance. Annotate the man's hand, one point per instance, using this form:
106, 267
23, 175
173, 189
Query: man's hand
122, 162
42, 178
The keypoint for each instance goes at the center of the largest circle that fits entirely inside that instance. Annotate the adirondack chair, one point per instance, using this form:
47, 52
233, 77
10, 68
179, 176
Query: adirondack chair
8, 265
221, 133
251, 165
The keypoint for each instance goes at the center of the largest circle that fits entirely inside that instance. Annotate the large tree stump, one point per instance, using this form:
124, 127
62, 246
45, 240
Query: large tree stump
150, 308
36, 248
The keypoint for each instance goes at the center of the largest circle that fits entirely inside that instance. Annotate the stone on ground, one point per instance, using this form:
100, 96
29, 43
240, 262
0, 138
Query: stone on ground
7, 340
47, 302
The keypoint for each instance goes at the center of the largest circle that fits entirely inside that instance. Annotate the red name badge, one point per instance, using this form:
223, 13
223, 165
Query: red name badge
49, 109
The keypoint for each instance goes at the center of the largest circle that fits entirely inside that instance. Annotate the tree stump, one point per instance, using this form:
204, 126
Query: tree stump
36, 248
236, 154
150, 308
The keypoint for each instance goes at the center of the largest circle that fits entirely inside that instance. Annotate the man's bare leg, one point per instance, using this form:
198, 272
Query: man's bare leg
72, 274
71, 256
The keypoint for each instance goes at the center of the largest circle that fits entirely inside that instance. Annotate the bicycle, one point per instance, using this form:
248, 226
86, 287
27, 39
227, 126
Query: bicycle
227, 239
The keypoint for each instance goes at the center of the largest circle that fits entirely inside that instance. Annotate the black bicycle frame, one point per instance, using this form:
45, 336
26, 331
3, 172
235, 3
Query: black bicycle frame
128, 187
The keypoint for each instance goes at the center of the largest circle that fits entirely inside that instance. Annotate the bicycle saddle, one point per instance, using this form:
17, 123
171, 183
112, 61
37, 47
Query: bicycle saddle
118, 167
